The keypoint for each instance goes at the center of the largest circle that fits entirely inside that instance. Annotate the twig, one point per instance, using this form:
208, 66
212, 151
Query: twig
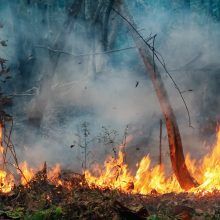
11, 148
86, 54
160, 143
19, 193
29, 92
124, 142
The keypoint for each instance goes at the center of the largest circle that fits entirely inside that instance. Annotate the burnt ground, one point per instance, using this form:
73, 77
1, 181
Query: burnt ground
42, 200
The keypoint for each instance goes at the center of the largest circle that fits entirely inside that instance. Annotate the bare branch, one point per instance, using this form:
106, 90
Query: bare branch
159, 59
86, 54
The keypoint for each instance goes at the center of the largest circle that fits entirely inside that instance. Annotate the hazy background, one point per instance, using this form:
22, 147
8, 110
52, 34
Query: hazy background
109, 96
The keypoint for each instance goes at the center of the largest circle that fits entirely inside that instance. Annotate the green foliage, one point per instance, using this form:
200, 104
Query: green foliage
154, 217
13, 214
54, 213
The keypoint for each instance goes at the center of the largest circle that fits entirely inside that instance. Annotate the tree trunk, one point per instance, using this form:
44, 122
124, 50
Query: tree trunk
187, 4
211, 3
176, 150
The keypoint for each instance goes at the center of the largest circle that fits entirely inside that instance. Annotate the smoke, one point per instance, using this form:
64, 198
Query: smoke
109, 90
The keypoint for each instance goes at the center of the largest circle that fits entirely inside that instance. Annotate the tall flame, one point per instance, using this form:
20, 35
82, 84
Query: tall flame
208, 173
7, 179
115, 174
28, 173
54, 174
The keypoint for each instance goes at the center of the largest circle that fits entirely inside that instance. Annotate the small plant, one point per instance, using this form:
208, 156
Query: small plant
83, 143
54, 213
109, 139
18, 213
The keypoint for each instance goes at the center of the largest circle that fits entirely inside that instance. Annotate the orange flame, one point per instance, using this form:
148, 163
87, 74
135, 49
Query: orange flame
54, 174
208, 173
6, 180
28, 173
115, 174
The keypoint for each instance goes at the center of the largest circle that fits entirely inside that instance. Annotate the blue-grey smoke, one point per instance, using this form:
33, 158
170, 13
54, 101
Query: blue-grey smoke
106, 89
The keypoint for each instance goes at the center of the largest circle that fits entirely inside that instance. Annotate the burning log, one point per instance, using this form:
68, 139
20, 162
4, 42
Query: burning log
184, 178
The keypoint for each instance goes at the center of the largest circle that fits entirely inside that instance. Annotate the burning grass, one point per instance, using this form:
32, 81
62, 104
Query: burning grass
110, 191
115, 174
75, 199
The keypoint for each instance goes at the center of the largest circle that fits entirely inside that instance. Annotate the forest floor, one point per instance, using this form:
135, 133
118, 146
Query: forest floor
42, 200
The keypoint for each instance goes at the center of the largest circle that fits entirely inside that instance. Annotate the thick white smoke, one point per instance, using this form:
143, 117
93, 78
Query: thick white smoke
117, 94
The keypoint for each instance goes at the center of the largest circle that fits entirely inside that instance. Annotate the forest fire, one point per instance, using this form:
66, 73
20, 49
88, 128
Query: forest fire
115, 174
74, 73
7, 180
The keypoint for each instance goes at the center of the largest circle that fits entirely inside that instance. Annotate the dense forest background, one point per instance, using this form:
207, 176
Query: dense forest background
74, 61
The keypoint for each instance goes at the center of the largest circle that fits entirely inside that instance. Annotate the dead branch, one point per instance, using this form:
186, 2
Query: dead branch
8, 146
86, 54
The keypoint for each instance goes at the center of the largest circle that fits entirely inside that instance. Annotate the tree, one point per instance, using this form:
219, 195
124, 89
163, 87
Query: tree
174, 138
187, 4
96, 17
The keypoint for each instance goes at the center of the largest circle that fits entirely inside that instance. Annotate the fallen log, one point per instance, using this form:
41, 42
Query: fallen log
183, 176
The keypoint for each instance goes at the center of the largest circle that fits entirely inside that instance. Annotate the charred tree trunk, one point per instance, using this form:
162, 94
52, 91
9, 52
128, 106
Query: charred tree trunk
176, 150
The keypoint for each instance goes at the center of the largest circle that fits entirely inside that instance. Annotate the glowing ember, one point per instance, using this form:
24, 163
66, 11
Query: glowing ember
115, 174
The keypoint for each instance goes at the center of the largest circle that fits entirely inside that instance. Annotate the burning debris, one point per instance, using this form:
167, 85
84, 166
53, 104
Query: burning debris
114, 183
115, 174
